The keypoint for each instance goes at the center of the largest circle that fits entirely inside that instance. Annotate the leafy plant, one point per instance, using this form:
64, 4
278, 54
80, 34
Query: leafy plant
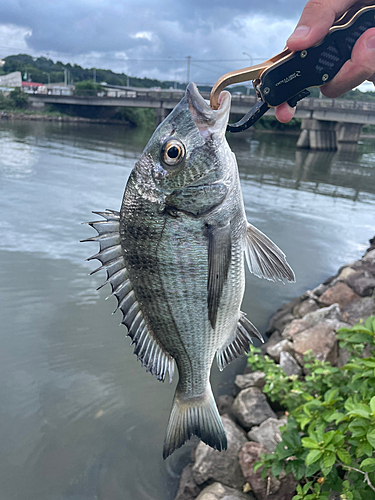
329, 441
18, 98
87, 88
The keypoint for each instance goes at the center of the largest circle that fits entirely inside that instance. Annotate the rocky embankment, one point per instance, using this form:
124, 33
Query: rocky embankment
252, 425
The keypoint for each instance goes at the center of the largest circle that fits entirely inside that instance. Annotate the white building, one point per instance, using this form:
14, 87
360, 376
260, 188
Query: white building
11, 80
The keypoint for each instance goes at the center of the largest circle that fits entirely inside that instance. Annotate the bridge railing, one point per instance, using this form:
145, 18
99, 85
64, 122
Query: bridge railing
238, 99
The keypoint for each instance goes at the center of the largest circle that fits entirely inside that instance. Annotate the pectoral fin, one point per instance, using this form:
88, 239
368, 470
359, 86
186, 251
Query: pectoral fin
264, 258
219, 255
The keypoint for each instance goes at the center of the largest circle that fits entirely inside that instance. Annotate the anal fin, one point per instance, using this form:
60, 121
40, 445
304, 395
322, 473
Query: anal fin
239, 343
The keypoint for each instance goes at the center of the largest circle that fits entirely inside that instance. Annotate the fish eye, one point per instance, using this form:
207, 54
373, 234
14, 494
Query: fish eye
172, 152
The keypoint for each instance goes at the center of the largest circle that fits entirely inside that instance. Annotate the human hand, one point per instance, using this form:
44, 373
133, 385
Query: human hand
316, 19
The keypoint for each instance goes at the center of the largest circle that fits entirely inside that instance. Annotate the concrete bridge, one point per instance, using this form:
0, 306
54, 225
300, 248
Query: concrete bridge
327, 124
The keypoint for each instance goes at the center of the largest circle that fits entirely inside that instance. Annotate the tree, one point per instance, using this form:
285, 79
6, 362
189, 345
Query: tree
18, 98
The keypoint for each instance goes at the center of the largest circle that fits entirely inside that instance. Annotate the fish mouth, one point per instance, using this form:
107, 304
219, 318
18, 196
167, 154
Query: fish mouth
210, 122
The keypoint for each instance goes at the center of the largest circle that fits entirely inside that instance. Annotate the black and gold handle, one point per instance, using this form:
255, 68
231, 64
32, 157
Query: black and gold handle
317, 65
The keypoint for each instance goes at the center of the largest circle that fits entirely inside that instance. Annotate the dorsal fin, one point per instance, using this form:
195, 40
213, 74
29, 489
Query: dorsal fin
148, 350
239, 343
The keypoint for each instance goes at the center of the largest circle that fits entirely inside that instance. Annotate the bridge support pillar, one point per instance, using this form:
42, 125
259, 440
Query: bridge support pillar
317, 134
161, 114
348, 136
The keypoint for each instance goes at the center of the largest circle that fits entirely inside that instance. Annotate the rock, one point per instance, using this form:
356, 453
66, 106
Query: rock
254, 379
343, 357
365, 265
212, 465
316, 317
251, 408
270, 488
335, 325
319, 290
289, 364
359, 309
340, 294
274, 339
296, 326
307, 306
362, 283
268, 433
275, 350
218, 491
345, 273
369, 257
321, 339
224, 404
279, 321
188, 488
329, 280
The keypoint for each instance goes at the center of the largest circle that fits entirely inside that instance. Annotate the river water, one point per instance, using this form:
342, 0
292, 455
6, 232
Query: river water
80, 419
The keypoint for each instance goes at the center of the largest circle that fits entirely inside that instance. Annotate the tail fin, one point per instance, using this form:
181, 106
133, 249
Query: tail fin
196, 416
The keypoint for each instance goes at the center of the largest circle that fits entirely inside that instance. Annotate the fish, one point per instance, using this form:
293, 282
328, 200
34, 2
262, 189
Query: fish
174, 256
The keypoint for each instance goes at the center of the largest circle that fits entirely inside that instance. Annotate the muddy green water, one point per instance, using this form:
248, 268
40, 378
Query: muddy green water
80, 419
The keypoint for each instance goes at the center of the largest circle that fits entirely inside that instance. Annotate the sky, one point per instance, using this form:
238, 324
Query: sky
150, 38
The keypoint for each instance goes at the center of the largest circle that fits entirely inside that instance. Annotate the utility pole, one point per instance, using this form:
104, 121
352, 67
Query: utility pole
65, 77
127, 80
94, 79
251, 64
188, 70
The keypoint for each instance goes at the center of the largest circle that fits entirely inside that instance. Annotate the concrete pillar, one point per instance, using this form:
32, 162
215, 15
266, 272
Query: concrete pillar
328, 135
303, 139
317, 134
348, 136
161, 114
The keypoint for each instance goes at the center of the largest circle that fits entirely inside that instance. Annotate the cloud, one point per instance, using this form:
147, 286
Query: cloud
145, 38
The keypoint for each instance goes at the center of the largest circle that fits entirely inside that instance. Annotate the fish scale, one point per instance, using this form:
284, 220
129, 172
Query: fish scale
174, 257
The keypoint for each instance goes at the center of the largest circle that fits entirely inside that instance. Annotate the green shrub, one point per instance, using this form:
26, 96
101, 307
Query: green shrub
137, 117
329, 440
87, 88
18, 98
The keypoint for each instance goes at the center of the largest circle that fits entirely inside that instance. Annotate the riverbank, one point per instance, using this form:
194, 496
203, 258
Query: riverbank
252, 423
57, 117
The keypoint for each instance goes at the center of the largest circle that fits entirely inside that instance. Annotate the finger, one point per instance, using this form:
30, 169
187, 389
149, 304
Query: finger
359, 68
316, 19
284, 113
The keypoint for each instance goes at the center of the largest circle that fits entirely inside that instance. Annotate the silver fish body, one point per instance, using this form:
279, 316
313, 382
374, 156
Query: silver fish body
174, 257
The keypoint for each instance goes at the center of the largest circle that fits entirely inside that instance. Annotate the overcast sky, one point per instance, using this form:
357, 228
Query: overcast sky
149, 37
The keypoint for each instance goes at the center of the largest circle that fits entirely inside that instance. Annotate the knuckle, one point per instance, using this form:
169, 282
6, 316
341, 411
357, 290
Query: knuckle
317, 9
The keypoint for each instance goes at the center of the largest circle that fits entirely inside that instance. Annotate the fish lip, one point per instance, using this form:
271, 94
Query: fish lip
209, 121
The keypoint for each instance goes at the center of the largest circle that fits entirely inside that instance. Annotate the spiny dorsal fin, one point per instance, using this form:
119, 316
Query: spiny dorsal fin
265, 259
148, 350
239, 343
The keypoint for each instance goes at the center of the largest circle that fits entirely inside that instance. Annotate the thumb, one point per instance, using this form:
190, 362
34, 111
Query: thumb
316, 19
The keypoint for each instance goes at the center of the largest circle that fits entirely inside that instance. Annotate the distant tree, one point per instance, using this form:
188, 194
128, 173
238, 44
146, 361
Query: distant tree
18, 98
87, 88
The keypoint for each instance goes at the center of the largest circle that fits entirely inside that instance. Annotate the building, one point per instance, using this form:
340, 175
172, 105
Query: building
11, 80
34, 88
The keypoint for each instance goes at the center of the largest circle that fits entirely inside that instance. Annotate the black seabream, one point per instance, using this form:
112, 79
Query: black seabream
174, 257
